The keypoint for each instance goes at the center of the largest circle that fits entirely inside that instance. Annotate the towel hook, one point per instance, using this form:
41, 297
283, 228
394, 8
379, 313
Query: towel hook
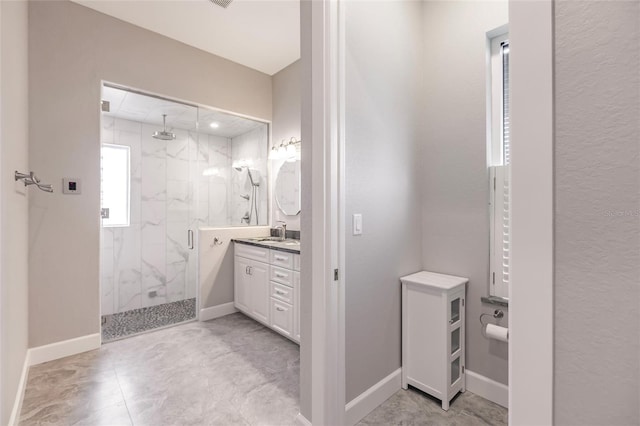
32, 179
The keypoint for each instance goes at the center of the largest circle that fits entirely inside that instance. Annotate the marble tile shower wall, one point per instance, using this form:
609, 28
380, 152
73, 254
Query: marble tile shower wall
151, 255
249, 148
214, 174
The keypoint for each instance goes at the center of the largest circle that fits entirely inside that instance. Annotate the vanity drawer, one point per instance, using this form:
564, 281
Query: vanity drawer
252, 252
282, 293
282, 259
282, 317
281, 275
296, 262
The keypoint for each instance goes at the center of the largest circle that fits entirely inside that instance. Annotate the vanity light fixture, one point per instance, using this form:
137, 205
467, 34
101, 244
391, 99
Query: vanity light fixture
285, 151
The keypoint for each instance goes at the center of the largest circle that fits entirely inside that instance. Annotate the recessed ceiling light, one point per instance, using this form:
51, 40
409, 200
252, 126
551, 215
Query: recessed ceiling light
214, 125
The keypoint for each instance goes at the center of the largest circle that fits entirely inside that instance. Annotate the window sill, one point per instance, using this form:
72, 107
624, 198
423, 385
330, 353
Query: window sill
495, 300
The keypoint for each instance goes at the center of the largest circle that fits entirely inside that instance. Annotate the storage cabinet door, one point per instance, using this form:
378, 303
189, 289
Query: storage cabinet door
241, 283
260, 291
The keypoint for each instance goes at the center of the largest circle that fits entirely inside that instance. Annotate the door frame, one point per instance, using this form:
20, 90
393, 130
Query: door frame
323, 53
531, 336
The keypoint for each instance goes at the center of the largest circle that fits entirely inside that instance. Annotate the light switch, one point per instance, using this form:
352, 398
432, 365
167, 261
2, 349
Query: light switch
357, 224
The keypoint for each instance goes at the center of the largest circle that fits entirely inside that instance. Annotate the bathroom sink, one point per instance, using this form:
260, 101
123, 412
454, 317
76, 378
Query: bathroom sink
287, 242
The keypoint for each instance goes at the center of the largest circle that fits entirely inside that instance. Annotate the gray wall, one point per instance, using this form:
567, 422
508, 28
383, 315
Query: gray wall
455, 181
383, 82
597, 196
286, 123
14, 204
71, 48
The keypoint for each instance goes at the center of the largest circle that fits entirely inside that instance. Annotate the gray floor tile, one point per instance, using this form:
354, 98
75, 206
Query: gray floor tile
229, 371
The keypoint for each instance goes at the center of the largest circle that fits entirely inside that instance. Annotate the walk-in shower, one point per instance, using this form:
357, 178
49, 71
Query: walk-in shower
158, 188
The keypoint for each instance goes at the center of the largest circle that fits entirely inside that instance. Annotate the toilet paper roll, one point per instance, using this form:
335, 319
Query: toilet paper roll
498, 333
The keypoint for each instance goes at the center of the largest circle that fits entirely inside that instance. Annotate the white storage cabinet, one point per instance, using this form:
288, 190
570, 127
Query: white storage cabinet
267, 287
433, 334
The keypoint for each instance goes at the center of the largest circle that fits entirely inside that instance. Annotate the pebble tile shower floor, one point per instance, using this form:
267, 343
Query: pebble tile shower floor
135, 321
229, 371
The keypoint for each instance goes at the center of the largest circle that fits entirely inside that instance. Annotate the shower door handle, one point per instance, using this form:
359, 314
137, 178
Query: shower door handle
190, 239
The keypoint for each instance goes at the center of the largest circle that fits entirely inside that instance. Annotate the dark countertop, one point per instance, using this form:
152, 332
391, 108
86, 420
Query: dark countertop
286, 245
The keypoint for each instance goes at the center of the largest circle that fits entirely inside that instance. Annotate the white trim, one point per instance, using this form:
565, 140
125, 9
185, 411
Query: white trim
532, 114
487, 388
327, 369
22, 386
302, 420
370, 399
64, 348
207, 314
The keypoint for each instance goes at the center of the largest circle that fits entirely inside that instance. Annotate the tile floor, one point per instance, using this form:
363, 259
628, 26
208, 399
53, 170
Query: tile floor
229, 371
412, 407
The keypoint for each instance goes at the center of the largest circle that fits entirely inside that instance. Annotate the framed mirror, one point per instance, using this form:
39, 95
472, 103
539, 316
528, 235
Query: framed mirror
287, 189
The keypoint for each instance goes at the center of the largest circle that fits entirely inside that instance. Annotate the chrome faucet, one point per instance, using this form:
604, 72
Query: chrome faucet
282, 226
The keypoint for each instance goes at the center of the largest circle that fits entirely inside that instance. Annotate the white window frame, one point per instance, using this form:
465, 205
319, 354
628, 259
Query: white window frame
128, 207
499, 172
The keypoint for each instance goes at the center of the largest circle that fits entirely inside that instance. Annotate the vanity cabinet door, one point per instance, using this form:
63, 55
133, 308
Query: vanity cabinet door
241, 282
296, 310
260, 289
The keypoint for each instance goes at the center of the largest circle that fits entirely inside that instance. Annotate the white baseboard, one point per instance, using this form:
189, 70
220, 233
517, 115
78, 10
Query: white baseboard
22, 385
302, 420
487, 388
367, 401
218, 311
58, 350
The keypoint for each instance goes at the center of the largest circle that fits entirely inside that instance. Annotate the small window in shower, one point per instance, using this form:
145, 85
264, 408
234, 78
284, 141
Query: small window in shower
115, 201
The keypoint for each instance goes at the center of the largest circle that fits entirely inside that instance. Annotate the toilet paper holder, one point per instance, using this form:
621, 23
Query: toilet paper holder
497, 314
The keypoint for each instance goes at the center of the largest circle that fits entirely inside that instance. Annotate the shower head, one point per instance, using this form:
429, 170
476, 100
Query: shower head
164, 135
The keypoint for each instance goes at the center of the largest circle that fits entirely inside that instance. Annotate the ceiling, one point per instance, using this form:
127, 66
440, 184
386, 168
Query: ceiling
148, 109
260, 34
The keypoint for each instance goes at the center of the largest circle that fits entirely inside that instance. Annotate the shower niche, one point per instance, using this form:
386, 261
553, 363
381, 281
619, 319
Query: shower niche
169, 168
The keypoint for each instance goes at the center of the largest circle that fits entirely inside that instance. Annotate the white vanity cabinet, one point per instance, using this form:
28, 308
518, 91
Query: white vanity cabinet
267, 287
433, 334
251, 282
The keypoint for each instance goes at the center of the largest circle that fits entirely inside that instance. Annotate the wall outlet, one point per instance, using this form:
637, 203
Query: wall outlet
152, 293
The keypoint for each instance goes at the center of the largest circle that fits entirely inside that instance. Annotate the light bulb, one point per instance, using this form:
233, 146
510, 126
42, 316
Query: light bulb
291, 152
273, 153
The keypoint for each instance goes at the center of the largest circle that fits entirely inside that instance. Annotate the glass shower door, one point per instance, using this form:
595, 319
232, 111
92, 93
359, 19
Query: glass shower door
149, 262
